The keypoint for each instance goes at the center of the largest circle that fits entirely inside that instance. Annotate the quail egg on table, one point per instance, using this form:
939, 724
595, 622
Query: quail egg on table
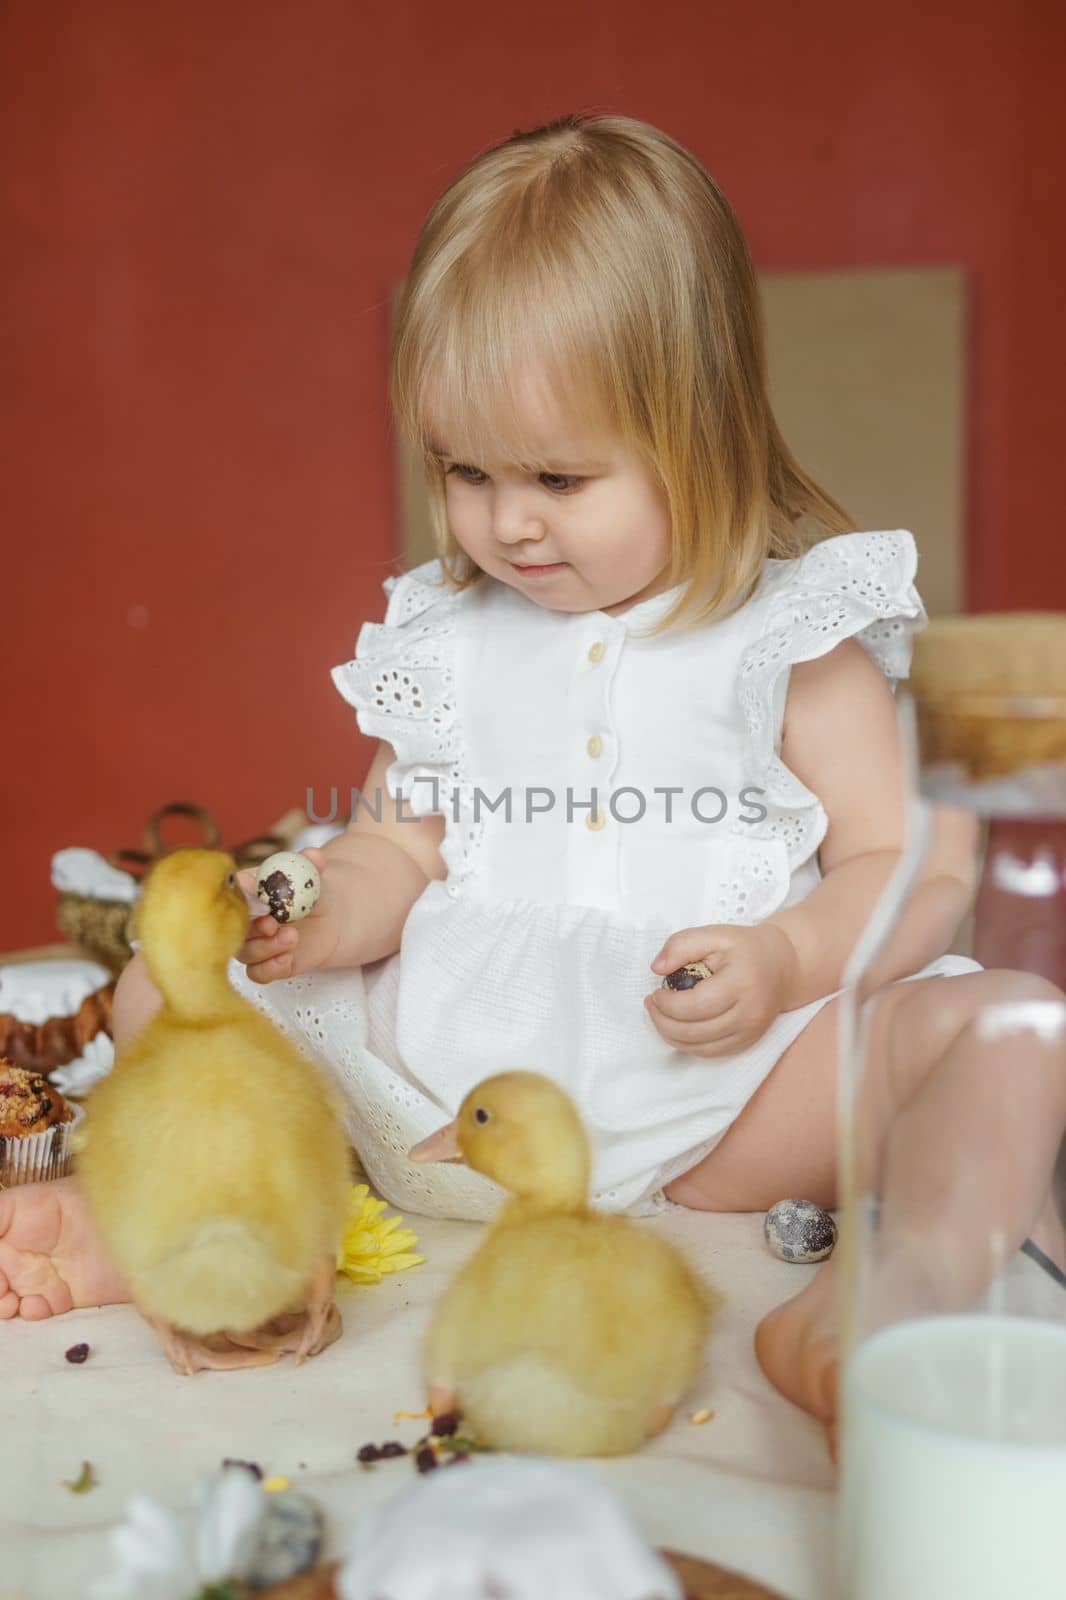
288, 885
798, 1230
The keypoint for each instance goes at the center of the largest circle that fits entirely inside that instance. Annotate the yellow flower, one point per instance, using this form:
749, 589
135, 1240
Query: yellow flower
373, 1244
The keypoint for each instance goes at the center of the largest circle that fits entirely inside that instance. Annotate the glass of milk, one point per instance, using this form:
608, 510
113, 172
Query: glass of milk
953, 1442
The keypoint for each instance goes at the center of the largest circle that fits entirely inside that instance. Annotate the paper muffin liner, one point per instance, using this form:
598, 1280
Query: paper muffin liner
34, 1157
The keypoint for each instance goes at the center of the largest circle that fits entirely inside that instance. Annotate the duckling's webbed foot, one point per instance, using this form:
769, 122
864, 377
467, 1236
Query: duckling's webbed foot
300, 1333
189, 1354
293, 1333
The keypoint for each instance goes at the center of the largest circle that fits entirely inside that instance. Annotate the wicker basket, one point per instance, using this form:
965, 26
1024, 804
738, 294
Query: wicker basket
97, 926
101, 927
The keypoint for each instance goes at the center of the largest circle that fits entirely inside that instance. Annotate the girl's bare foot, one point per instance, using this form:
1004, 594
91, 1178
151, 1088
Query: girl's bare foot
798, 1348
50, 1257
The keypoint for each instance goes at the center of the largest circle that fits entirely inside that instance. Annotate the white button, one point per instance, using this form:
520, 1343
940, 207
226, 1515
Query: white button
595, 823
595, 745
596, 650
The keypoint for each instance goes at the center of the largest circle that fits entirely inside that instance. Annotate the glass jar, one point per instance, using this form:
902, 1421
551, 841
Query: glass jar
954, 1335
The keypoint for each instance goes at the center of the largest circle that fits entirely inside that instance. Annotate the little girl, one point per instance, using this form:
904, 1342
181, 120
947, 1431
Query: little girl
633, 717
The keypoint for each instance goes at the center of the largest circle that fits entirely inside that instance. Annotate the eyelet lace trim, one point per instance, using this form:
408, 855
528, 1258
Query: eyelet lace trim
402, 686
856, 585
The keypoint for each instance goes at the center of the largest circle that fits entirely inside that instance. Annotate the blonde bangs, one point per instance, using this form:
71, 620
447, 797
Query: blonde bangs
479, 364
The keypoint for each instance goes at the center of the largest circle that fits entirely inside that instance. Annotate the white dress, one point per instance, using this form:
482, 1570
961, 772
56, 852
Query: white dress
536, 950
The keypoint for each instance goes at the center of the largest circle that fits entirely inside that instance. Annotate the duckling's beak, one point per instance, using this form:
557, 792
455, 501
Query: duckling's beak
256, 907
440, 1146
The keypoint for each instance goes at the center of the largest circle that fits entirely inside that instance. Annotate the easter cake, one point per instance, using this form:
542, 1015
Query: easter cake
50, 1011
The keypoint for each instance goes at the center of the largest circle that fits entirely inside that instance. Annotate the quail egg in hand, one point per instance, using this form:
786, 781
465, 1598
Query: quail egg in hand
288, 885
688, 976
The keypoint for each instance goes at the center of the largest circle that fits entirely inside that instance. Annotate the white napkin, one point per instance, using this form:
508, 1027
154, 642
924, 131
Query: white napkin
78, 871
503, 1528
77, 1077
154, 1556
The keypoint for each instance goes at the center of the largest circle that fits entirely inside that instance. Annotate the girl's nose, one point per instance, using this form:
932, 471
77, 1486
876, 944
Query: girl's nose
514, 518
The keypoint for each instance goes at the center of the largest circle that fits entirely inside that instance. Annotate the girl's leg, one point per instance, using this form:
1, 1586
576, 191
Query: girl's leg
958, 1159
50, 1257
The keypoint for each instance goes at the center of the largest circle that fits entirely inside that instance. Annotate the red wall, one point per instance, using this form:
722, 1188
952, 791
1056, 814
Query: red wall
203, 208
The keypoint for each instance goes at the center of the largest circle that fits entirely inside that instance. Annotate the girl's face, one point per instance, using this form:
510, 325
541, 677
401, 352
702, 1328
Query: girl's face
590, 534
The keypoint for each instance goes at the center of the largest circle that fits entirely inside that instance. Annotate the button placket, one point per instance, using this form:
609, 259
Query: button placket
593, 847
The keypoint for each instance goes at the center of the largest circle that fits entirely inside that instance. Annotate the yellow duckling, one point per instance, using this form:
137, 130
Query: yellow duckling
569, 1332
214, 1163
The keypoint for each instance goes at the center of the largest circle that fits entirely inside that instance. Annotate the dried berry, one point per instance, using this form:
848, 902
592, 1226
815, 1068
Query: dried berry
249, 1466
368, 1452
447, 1422
426, 1460
393, 1447
78, 1353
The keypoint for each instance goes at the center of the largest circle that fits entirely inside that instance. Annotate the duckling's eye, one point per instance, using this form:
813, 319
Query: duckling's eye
481, 1115
231, 881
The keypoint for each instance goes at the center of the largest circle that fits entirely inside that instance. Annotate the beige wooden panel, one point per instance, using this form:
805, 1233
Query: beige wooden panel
867, 381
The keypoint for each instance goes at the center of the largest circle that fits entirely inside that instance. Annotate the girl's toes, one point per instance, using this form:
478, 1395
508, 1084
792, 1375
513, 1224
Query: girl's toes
9, 1301
34, 1308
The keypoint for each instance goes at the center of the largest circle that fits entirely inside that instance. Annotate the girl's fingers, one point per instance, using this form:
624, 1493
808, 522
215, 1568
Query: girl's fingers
706, 1001
724, 1047
270, 971
255, 951
687, 1035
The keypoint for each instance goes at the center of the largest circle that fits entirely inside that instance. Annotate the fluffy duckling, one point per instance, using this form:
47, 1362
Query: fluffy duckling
214, 1163
569, 1332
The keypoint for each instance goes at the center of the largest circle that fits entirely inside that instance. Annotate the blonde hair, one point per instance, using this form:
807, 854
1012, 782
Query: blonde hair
600, 253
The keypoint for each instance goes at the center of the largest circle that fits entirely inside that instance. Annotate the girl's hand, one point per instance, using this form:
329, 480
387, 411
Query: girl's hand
752, 970
275, 949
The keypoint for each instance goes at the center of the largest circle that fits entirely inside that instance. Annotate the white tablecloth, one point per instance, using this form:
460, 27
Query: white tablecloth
752, 1489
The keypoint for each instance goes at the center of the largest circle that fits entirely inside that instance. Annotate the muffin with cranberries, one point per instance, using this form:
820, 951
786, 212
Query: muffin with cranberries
35, 1127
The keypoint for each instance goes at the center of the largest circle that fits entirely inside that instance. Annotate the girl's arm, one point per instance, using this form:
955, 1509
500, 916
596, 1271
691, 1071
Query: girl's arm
372, 874
379, 869
841, 738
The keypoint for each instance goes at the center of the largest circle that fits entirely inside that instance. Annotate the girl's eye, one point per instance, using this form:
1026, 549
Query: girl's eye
556, 482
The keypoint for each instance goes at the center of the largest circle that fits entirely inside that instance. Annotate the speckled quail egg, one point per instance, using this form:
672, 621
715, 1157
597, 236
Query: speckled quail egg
688, 976
288, 884
798, 1230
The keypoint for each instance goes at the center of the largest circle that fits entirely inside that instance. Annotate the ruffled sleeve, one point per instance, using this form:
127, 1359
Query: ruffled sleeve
854, 586
401, 684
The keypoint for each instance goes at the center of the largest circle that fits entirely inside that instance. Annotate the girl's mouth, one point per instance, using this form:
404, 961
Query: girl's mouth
540, 571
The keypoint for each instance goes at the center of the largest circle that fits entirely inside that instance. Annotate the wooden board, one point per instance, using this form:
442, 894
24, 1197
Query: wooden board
703, 1580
